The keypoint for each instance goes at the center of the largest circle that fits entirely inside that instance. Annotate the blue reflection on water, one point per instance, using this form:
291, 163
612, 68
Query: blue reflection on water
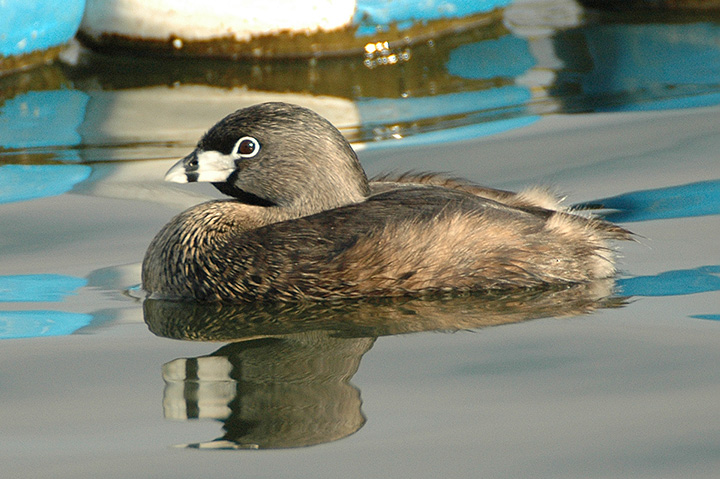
647, 66
704, 279
42, 118
39, 288
694, 199
506, 57
39, 323
26, 182
627, 57
672, 283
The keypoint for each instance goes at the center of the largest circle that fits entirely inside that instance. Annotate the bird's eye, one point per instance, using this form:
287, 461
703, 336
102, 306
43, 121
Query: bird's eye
246, 147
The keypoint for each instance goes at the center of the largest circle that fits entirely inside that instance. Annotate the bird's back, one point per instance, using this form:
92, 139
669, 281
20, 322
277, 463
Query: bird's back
405, 241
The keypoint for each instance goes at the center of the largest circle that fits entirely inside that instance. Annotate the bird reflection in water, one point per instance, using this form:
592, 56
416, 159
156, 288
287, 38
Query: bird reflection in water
284, 378
271, 392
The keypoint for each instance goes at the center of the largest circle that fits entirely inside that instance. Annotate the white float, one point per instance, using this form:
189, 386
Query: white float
191, 20
273, 28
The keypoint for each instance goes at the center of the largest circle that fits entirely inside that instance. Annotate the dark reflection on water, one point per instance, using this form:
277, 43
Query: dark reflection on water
279, 392
283, 381
372, 318
417, 71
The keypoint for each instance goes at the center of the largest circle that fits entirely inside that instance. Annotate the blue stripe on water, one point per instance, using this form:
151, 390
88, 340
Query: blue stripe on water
38, 287
693, 199
672, 283
42, 118
40, 323
26, 182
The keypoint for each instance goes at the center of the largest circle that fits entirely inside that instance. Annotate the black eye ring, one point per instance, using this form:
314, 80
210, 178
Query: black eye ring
246, 147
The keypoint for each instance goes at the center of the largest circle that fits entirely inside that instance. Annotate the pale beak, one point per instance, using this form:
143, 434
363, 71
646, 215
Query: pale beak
202, 166
178, 172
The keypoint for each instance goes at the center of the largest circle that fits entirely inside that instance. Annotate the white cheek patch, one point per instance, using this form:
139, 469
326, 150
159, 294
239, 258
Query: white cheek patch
212, 166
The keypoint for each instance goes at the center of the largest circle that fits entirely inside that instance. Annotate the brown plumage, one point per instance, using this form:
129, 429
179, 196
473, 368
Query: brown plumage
409, 234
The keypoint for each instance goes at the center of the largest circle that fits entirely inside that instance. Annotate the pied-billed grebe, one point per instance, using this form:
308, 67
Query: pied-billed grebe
305, 223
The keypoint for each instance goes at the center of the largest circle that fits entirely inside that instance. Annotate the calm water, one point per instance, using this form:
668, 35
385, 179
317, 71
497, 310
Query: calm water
609, 380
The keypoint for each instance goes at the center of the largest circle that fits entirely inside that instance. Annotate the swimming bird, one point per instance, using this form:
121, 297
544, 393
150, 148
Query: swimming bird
304, 223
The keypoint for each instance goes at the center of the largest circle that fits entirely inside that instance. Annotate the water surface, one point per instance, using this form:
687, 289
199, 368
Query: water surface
610, 381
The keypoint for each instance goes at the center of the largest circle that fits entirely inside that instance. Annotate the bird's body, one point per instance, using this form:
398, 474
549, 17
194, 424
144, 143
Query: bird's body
411, 234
